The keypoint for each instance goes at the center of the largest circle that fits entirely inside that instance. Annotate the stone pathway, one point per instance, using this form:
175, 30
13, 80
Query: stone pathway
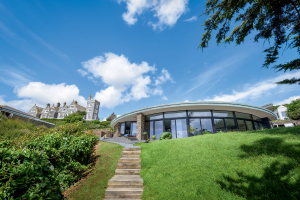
127, 184
122, 141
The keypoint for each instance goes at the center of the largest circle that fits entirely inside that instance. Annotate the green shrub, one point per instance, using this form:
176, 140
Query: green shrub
153, 137
166, 136
44, 162
96, 122
293, 109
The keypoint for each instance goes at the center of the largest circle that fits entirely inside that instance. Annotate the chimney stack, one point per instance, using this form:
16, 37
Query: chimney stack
65, 103
76, 102
58, 104
48, 104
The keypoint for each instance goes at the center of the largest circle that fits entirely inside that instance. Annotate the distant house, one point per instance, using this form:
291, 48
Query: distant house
57, 112
111, 117
280, 112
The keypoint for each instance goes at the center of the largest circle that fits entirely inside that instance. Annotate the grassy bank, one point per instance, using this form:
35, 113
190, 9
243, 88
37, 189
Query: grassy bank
241, 165
94, 185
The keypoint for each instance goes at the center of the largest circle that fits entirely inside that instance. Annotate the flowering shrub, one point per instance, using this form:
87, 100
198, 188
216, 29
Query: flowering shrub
44, 165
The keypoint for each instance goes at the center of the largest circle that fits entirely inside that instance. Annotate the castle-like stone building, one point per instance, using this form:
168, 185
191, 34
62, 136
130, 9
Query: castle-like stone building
57, 112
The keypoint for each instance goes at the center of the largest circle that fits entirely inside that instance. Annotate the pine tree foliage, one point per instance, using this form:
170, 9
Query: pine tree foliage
274, 21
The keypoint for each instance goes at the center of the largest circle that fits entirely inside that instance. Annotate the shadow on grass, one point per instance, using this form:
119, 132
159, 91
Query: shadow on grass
277, 180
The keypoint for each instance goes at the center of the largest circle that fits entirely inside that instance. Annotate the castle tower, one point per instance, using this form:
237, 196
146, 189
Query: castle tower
92, 109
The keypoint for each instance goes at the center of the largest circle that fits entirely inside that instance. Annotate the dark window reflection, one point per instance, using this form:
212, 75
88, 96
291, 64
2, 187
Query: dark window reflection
249, 125
242, 125
256, 126
152, 117
170, 127
222, 114
206, 125
230, 125
242, 115
256, 118
219, 125
151, 130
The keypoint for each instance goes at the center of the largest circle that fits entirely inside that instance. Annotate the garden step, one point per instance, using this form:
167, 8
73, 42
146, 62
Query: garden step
128, 166
130, 156
129, 160
111, 193
128, 171
131, 152
126, 181
131, 149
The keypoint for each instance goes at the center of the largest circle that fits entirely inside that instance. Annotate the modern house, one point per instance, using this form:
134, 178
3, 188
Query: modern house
198, 116
280, 113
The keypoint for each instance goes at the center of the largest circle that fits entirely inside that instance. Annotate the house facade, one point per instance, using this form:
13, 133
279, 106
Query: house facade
58, 112
280, 113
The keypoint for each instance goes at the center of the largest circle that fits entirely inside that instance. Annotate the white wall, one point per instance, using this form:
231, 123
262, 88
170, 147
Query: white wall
281, 112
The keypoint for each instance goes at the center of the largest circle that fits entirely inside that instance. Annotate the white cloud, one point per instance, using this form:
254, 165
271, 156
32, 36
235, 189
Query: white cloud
82, 72
167, 11
287, 101
164, 98
191, 19
126, 81
13, 77
186, 101
254, 91
41, 94
164, 77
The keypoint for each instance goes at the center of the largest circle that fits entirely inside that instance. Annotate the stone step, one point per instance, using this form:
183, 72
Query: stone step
126, 181
131, 149
112, 193
129, 160
130, 156
131, 152
127, 171
128, 166
122, 199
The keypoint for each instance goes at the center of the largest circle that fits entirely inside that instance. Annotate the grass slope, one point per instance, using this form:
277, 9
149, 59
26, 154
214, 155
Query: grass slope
94, 185
241, 165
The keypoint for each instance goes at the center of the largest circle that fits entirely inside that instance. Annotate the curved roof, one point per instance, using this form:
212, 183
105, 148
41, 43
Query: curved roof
197, 105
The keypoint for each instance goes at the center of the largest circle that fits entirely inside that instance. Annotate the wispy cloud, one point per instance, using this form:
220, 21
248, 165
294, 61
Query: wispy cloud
287, 101
13, 77
254, 91
164, 98
191, 19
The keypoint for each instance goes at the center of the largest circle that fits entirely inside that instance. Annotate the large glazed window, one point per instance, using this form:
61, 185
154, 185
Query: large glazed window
249, 125
175, 114
202, 113
219, 125
153, 117
242, 115
206, 125
256, 118
181, 128
222, 114
122, 129
133, 129
158, 128
241, 124
230, 125
195, 124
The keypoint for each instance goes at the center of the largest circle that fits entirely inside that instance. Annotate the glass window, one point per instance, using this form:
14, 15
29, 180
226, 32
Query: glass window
206, 125
202, 113
127, 128
241, 124
256, 126
146, 129
170, 126
256, 118
261, 125
195, 128
158, 126
222, 114
181, 128
283, 114
122, 129
133, 128
249, 125
156, 116
230, 125
175, 114
151, 130
219, 125
242, 115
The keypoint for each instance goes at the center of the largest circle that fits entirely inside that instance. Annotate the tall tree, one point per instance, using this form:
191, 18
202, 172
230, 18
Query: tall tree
274, 21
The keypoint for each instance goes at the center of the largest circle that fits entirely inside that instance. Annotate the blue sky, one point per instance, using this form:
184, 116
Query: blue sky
128, 55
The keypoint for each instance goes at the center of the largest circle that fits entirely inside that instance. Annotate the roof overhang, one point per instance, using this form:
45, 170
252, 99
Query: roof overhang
197, 105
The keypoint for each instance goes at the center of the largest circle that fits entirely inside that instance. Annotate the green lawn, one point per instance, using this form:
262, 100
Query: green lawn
94, 186
241, 165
